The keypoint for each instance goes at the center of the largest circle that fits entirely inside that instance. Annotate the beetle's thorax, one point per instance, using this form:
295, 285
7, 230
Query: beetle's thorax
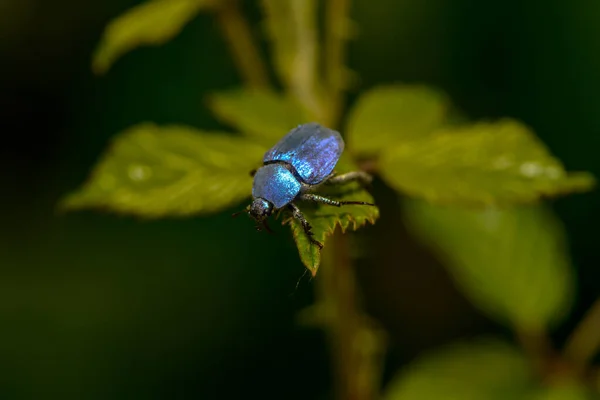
276, 184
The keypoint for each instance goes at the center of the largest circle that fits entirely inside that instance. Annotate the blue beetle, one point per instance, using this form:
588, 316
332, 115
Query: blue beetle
294, 168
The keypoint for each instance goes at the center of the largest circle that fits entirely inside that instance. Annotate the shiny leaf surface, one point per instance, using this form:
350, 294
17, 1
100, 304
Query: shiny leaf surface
484, 163
153, 171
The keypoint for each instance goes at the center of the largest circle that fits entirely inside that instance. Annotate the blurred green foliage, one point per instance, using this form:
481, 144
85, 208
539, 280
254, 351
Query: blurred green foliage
156, 268
387, 115
261, 115
510, 262
486, 369
154, 22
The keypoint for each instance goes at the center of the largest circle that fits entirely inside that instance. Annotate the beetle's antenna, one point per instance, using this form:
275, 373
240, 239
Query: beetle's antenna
263, 225
236, 214
267, 228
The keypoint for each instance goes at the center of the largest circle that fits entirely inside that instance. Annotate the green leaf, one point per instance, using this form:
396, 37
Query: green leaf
387, 115
484, 370
484, 163
153, 171
512, 263
154, 22
260, 114
324, 219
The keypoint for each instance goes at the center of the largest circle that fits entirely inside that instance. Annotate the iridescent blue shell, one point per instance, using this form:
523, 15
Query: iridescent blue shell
311, 149
275, 183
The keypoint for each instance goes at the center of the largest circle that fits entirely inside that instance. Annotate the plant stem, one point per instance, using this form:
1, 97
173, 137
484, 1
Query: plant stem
335, 53
240, 41
356, 345
303, 69
584, 342
539, 349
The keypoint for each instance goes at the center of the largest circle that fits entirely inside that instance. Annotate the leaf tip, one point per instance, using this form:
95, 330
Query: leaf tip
70, 202
586, 181
105, 55
100, 66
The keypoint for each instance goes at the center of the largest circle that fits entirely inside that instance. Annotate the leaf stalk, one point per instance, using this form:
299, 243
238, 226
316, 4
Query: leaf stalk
584, 341
357, 345
336, 36
244, 51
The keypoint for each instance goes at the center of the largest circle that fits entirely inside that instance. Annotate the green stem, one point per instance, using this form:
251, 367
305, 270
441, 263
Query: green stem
357, 346
303, 74
335, 54
584, 342
244, 51
539, 350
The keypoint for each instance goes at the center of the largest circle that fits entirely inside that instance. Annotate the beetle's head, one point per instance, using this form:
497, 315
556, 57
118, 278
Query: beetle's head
259, 210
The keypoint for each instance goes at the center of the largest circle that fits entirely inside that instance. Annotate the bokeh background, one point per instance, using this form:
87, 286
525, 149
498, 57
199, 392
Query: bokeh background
97, 306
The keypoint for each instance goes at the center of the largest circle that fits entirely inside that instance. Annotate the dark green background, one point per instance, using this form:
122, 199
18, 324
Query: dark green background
96, 306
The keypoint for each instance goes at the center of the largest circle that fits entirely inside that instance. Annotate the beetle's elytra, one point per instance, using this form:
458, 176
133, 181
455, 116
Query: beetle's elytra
294, 169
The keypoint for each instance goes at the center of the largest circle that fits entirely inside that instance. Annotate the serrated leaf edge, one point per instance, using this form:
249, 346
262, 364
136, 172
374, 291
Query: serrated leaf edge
328, 233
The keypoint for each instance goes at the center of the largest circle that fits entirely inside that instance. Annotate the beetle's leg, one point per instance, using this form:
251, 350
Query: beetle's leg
315, 198
328, 177
253, 172
296, 213
360, 176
